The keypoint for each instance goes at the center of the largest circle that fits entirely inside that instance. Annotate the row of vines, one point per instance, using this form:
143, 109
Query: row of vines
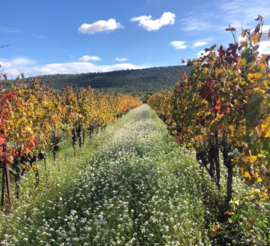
34, 118
222, 110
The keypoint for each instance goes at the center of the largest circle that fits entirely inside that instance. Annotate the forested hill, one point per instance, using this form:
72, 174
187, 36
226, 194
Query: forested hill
137, 82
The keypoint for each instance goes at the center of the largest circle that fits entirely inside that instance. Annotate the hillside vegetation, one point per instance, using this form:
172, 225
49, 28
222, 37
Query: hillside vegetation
137, 82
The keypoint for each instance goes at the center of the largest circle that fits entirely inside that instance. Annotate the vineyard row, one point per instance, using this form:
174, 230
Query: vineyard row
222, 108
33, 118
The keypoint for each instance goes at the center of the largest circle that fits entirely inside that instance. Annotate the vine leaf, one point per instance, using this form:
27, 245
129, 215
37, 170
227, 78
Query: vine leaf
31, 143
254, 108
255, 38
184, 76
247, 54
2, 138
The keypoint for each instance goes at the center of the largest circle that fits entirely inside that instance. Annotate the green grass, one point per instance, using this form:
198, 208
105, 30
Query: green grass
130, 185
121, 189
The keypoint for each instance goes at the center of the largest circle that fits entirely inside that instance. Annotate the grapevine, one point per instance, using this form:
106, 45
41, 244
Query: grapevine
33, 118
222, 107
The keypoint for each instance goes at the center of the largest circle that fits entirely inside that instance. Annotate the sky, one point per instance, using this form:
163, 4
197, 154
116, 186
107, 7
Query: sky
82, 36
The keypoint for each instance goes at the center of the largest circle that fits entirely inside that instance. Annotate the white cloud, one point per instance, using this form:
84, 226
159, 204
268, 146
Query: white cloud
71, 57
14, 69
6, 65
198, 44
148, 24
11, 66
121, 59
21, 61
264, 48
179, 45
89, 58
100, 26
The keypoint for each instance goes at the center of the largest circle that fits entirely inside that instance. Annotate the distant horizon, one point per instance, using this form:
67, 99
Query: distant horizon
181, 65
127, 69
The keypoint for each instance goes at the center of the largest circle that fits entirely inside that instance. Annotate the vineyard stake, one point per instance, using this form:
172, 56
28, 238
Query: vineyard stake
3, 188
6, 182
8, 186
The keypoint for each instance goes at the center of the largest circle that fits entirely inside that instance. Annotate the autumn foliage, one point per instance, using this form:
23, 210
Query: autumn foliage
222, 108
33, 117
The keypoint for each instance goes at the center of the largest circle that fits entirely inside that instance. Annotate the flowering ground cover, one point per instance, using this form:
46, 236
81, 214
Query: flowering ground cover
136, 188
130, 185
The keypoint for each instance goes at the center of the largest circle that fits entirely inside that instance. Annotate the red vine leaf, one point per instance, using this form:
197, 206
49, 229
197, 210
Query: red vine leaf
2, 138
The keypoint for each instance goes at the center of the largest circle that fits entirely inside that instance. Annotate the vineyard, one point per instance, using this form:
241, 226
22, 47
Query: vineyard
82, 167
34, 118
222, 111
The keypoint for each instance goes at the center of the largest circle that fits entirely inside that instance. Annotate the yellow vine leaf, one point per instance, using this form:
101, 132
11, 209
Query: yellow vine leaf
246, 175
231, 128
255, 38
265, 127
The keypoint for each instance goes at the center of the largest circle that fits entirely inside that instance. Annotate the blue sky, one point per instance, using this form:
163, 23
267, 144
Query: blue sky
68, 36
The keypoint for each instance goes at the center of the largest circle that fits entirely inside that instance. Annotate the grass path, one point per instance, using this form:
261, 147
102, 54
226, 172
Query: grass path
137, 188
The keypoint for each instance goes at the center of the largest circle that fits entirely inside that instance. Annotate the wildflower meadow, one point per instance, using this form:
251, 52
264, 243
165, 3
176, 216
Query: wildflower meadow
129, 185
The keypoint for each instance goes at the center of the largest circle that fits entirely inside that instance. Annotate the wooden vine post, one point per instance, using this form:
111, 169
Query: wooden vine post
6, 182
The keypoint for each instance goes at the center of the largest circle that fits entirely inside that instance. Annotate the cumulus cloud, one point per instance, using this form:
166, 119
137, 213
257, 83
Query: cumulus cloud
89, 58
11, 67
148, 24
121, 59
264, 48
6, 65
198, 44
179, 45
14, 69
100, 26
